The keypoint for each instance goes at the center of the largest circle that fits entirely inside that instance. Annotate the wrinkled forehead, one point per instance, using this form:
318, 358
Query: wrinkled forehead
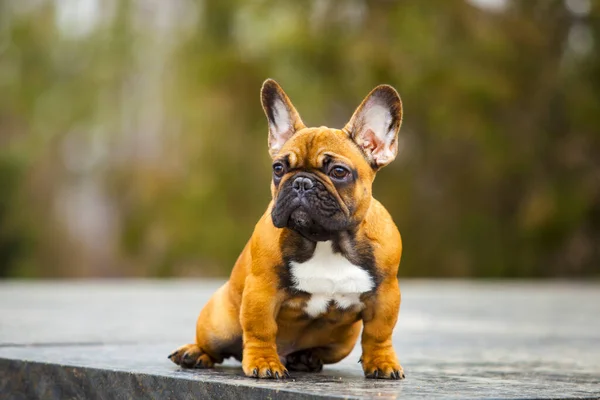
309, 147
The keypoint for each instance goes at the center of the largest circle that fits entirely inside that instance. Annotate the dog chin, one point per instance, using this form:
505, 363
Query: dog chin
301, 222
300, 219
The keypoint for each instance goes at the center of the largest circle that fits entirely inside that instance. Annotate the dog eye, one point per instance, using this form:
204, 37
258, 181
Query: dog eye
339, 172
278, 169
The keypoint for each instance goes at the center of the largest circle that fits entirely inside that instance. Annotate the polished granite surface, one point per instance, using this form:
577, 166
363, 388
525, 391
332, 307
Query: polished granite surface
456, 339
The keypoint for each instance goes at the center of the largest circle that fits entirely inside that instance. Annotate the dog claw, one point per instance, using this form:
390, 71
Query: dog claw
269, 374
255, 372
277, 375
286, 374
374, 374
396, 375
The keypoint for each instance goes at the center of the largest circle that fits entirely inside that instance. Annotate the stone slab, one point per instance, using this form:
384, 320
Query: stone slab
456, 339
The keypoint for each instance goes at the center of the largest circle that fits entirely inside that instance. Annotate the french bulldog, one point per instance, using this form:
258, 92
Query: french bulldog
323, 259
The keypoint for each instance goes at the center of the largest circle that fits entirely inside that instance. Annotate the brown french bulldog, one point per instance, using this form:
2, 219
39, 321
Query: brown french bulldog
323, 259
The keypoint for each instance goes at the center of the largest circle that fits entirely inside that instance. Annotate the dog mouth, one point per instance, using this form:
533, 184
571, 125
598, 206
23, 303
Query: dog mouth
308, 208
294, 213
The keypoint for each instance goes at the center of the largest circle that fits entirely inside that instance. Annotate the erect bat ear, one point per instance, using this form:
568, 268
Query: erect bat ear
283, 118
375, 124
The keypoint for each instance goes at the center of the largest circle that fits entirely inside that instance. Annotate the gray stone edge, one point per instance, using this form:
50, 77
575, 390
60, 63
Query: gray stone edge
23, 379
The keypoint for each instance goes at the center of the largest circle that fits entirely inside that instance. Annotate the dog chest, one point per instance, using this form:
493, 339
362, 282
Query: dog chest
329, 277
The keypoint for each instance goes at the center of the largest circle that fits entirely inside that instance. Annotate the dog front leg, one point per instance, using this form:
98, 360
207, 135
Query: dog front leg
260, 305
379, 318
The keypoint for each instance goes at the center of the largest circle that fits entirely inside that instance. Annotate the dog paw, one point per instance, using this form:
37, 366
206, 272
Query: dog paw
264, 366
304, 361
191, 356
382, 366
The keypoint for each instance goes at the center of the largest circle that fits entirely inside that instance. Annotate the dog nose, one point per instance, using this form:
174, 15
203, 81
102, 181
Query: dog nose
302, 184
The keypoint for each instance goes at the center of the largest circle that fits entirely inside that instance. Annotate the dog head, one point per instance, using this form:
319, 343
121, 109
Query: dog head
322, 177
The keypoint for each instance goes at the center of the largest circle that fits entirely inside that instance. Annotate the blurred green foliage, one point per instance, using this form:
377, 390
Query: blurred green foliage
132, 141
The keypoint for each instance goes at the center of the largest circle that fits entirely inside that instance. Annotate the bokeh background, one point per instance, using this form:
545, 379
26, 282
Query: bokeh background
133, 143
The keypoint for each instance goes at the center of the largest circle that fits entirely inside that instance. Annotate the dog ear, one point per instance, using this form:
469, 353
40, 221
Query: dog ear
283, 118
375, 124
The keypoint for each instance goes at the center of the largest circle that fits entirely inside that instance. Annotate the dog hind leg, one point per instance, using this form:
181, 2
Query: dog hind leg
218, 334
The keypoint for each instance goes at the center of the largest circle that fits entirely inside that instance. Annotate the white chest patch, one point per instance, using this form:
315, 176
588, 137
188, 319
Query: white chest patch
329, 276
